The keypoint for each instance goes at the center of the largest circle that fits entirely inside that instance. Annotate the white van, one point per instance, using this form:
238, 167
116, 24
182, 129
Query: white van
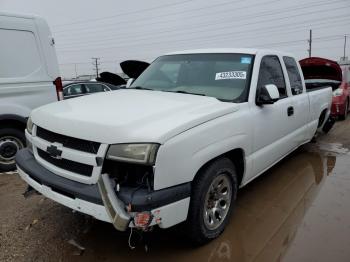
29, 77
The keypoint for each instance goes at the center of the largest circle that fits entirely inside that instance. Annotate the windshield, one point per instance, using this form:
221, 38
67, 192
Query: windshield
223, 76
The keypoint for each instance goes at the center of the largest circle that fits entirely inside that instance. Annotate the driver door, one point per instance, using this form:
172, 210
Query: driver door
271, 127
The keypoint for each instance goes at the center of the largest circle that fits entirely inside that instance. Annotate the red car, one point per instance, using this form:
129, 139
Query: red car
320, 72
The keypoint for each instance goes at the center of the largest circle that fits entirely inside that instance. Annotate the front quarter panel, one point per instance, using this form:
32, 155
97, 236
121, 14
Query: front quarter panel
180, 158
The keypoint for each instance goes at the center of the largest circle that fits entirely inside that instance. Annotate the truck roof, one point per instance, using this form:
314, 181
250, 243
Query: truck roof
251, 51
28, 16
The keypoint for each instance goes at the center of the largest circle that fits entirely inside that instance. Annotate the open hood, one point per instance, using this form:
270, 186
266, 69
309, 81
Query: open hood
110, 78
321, 68
133, 68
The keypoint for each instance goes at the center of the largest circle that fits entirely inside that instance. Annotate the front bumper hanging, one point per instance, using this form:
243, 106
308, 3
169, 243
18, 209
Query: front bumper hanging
114, 207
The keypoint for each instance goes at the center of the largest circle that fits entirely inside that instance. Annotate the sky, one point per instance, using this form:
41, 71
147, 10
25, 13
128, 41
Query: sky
118, 30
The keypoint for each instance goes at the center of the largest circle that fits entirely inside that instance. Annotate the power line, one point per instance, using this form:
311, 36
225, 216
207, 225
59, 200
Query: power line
287, 43
121, 14
194, 38
194, 26
264, 30
176, 13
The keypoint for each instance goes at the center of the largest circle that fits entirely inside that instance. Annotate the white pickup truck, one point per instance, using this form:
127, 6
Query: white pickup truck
178, 143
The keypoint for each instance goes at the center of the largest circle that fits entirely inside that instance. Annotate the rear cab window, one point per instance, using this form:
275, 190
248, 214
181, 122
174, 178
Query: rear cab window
293, 75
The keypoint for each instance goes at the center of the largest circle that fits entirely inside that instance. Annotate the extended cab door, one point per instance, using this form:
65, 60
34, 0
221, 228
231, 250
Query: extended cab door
301, 105
271, 125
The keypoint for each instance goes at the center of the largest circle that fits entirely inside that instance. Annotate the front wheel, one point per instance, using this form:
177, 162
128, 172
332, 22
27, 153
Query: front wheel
212, 200
11, 141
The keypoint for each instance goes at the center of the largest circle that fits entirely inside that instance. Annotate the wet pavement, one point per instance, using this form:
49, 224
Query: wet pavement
297, 211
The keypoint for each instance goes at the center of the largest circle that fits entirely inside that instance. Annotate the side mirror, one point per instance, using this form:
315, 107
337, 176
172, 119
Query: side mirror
267, 94
130, 81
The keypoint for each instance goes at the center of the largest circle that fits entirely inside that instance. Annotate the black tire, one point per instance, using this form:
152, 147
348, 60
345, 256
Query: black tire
196, 227
344, 116
10, 136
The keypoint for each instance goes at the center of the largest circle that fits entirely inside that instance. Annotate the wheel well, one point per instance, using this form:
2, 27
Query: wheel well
322, 118
237, 158
6, 123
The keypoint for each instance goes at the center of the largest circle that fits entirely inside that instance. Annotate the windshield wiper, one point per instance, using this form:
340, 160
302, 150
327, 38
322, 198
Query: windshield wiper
185, 92
140, 88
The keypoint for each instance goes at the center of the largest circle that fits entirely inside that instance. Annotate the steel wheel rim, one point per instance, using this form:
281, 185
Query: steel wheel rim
217, 202
9, 146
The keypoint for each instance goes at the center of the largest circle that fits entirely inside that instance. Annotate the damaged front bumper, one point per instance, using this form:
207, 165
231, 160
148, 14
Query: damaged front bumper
167, 207
114, 207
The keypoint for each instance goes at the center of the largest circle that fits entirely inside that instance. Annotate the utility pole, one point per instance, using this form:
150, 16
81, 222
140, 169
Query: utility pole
310, 43
96, 64
76, 73
344, 47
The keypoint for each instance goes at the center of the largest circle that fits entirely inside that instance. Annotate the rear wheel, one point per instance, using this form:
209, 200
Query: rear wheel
213, 195
11, 141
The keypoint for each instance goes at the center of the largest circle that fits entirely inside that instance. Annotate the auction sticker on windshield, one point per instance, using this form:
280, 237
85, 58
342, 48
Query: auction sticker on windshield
231, 75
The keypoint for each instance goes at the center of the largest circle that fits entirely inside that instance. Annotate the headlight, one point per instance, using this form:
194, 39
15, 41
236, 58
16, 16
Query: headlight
134, 153
338, 92
30, 125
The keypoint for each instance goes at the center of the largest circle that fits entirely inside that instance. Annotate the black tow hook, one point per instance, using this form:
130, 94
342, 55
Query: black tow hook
30, 192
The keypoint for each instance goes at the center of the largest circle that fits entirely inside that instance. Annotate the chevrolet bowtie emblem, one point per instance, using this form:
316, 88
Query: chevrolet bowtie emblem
54, 152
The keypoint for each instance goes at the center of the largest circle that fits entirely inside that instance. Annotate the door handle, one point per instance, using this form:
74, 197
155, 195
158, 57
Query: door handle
290, 111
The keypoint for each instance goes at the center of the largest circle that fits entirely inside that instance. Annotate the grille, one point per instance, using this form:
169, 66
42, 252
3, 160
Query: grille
66, 141
75, 167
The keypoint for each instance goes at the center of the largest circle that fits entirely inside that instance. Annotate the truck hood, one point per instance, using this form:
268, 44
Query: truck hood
129, 116
320, 68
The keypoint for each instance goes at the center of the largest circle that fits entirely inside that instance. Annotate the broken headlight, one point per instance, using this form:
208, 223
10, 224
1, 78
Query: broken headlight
133, 153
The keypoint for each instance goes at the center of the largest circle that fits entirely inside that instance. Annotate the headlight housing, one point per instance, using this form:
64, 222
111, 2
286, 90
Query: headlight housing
30, 125
338, 92
140, 153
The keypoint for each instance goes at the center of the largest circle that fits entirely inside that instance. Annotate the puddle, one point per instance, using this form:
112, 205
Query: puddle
336, 148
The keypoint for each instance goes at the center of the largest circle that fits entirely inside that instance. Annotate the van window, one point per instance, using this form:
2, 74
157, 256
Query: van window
271, 73
294, 75
19, 54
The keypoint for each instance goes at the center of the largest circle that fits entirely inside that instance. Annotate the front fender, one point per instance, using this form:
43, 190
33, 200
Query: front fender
180, 158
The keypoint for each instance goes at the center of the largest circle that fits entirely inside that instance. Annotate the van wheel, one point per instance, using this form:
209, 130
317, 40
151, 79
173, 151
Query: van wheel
11, 141
213, 195
343, 117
